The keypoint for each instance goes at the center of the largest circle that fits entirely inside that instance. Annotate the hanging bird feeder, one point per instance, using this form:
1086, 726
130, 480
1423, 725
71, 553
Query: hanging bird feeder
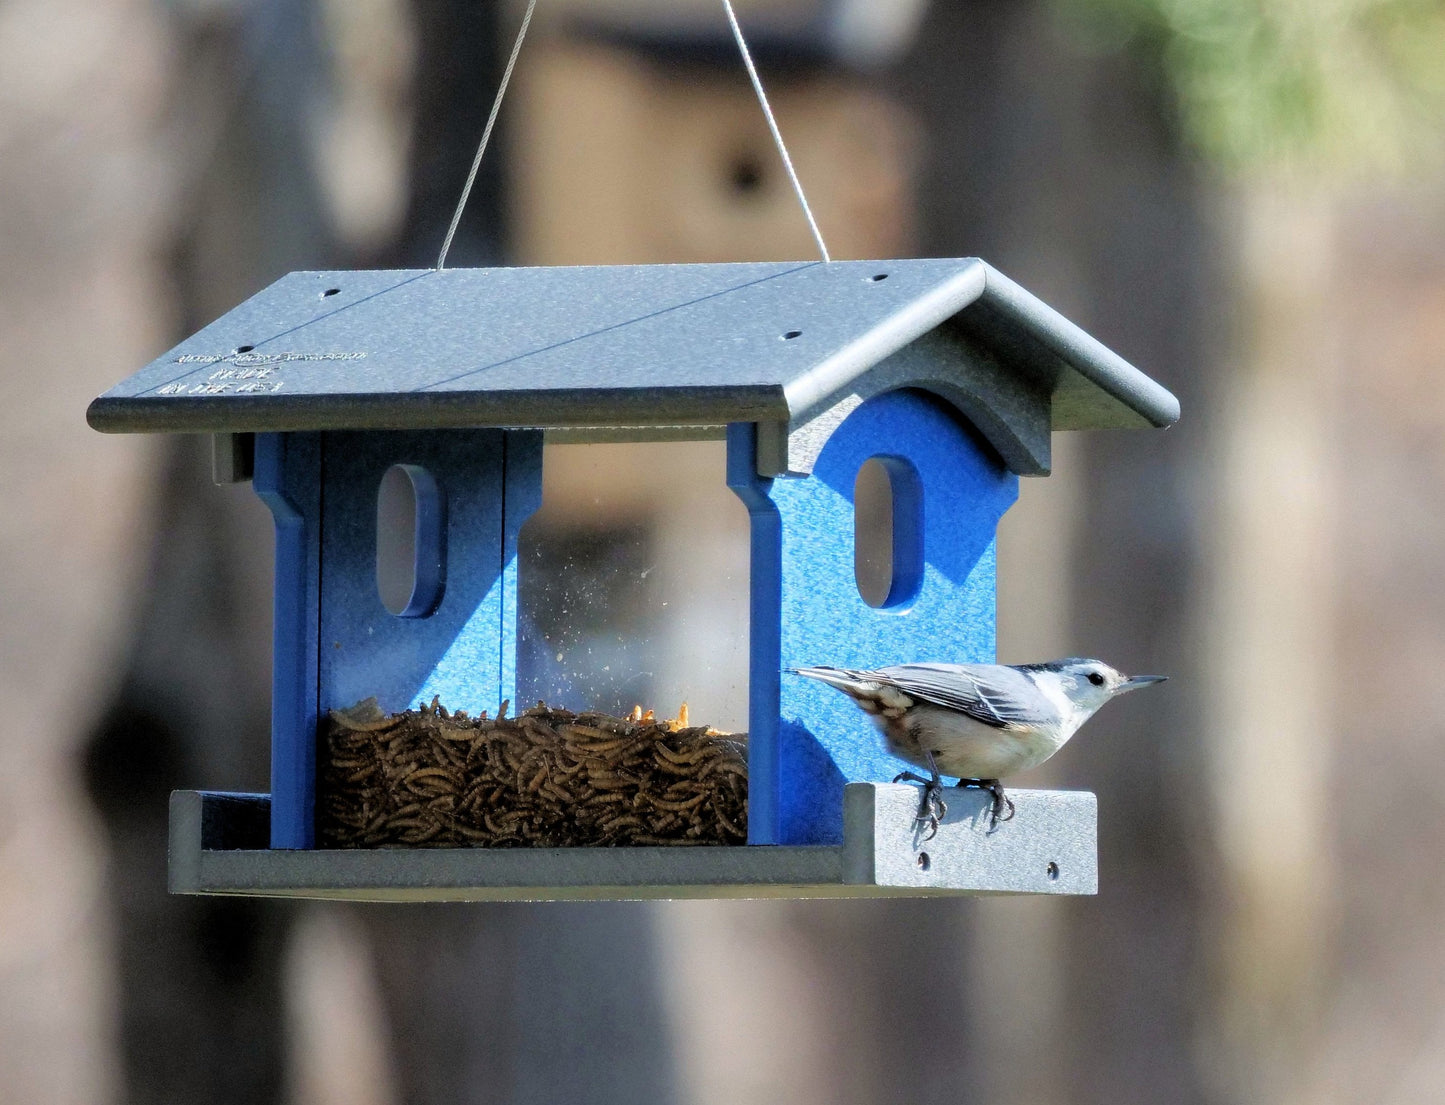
944, 371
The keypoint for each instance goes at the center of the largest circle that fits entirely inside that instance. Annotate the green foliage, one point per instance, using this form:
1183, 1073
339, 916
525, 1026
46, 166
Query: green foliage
1340, 85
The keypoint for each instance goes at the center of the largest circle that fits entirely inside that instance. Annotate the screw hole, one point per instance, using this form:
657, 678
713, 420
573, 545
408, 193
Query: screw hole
923, 861
791, 334
244, 348
1053, 870
877, 277
330, 291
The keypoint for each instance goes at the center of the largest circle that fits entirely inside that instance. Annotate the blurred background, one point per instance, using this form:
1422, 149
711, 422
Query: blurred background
1245, 198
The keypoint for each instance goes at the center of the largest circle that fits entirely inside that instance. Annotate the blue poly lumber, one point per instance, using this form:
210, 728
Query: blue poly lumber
288, 480
807, 740
456, 651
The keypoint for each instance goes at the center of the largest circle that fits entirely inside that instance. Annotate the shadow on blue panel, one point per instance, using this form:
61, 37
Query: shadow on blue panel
810, 781
455, 652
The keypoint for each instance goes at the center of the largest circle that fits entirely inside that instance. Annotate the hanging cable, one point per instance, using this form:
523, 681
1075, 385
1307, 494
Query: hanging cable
486, 135
773, 126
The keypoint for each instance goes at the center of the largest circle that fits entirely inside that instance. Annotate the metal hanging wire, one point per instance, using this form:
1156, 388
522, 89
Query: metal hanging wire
752, 75
773, 126
486, 135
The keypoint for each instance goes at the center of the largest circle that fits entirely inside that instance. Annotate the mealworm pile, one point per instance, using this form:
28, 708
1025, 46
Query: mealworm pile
547, 778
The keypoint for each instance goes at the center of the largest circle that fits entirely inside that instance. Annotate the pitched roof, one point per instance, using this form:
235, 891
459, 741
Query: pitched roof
635, 346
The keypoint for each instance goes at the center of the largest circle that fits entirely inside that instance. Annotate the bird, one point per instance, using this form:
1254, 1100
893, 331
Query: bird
978, 722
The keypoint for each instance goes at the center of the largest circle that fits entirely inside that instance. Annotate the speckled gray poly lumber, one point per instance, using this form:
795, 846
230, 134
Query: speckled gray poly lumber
645, 345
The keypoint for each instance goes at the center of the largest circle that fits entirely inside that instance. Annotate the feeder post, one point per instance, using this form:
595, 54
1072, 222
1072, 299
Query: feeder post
288, 480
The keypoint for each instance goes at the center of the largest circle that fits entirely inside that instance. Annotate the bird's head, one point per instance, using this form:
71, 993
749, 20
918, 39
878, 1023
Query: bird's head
1089, 684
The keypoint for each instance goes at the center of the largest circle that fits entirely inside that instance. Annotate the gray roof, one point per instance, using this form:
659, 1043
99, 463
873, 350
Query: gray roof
624, 346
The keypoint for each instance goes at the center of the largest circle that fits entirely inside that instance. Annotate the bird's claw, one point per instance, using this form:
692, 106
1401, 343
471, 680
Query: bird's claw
933, 809
1001, 801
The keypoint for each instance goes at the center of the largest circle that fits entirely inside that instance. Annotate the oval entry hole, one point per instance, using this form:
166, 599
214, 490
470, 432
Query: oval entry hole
887, 532
410, 547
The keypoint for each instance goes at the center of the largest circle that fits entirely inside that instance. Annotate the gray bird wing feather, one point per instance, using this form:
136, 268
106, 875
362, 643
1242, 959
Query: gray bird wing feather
1000, 696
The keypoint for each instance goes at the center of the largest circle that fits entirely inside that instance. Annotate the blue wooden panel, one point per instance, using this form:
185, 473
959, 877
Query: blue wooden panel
455, 652
287, 478
806, 739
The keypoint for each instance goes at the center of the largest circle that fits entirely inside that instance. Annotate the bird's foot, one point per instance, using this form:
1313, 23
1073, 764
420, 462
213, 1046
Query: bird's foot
933, 809
1001, 801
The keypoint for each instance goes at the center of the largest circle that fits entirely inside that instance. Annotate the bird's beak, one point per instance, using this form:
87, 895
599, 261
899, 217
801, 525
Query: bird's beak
1133, 683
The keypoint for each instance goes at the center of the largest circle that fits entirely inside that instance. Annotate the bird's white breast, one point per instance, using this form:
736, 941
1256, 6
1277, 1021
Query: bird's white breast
968, 749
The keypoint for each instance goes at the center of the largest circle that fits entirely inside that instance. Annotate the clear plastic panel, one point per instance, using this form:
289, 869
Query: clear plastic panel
633, 580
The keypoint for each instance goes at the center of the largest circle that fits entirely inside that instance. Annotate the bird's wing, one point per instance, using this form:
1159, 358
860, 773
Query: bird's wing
1002, 697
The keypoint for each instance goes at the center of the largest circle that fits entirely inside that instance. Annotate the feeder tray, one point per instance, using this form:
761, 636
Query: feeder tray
219, 845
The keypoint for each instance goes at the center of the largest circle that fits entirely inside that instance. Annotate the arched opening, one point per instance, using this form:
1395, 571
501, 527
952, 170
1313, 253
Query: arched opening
410, 541
887, 532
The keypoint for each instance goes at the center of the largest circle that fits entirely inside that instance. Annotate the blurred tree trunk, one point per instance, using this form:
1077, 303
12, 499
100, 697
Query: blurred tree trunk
81, 302
200, 988
1066, 170
1266, 615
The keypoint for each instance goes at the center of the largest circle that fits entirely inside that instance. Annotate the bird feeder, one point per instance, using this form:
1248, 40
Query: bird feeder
944, 371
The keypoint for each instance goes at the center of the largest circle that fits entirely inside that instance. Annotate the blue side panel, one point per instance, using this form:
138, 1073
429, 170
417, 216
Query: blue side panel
764, 614
523, 495
817, 740
287, 478
455, 651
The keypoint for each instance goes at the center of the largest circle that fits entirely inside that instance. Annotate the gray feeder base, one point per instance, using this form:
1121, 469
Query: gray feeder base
217, 846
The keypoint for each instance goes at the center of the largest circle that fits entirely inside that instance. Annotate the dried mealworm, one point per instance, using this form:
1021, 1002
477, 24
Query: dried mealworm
681, 759
552, 790
591, 748
626, 819
426, 775
604, 799
585, 731
677, 807
728, 826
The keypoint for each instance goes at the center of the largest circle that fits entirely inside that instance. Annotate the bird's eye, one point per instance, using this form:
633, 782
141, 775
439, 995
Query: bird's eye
1096, 678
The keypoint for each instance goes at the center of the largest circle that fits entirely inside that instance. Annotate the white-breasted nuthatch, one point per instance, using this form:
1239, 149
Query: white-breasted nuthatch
978, 722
